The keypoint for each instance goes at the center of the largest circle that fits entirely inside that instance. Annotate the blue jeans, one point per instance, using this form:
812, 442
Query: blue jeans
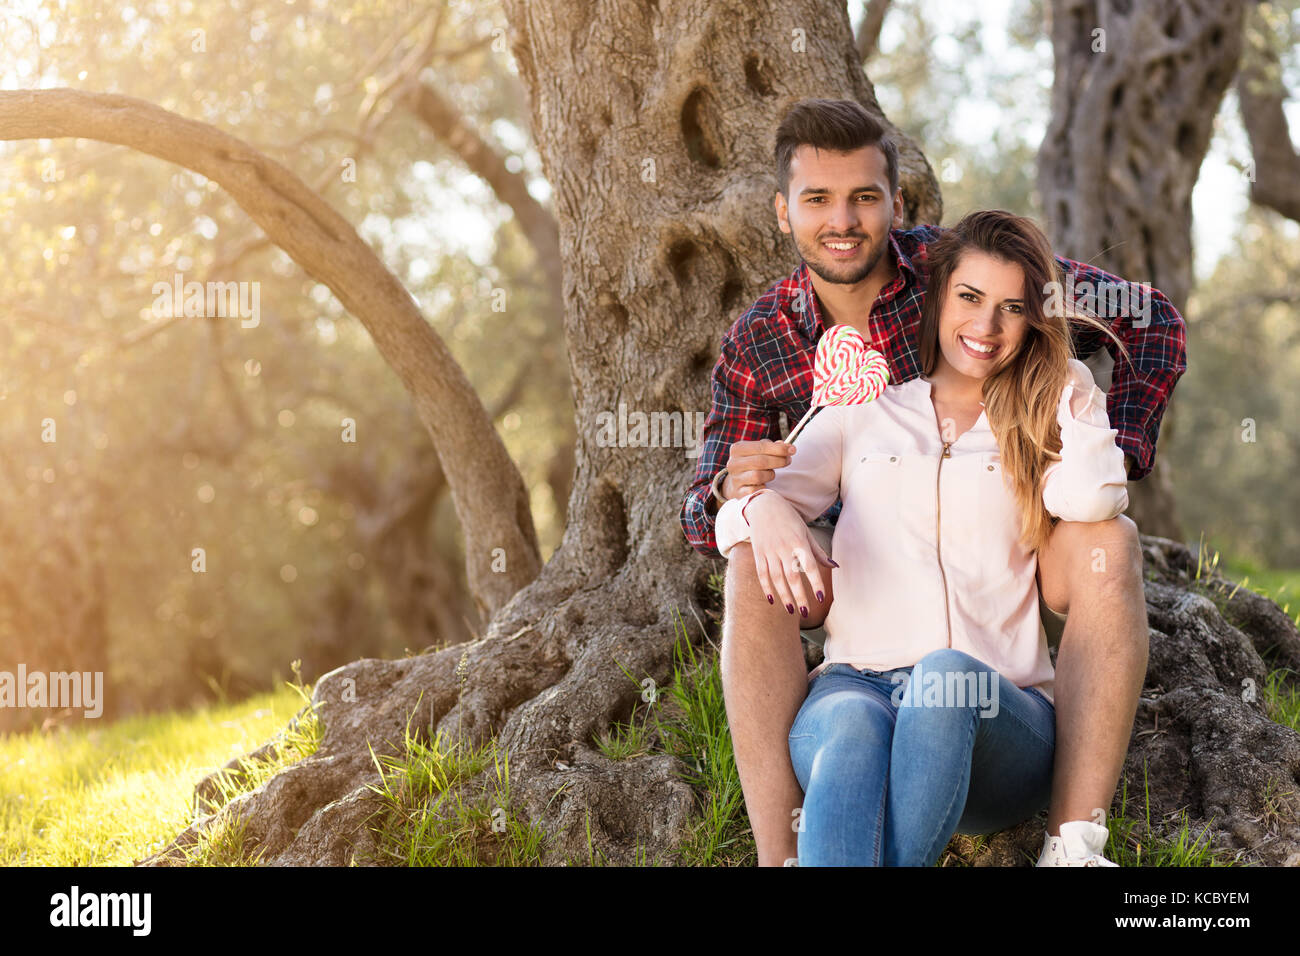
892, 763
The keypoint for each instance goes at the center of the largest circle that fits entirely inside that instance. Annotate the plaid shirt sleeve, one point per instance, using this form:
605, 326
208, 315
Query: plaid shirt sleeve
1155, 336
737, 414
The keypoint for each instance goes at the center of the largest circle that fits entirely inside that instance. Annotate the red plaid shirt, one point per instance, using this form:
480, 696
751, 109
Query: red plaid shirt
766, 366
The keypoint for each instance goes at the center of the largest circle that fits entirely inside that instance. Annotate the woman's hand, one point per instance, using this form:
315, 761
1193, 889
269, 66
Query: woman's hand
783, 549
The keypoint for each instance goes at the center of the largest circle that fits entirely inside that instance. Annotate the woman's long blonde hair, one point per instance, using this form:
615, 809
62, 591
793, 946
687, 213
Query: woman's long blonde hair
1020, 400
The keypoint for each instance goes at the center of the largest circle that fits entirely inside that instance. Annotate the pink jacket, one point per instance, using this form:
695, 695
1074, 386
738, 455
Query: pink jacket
927, 540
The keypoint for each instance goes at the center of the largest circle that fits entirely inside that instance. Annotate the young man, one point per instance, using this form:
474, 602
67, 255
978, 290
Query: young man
838, 198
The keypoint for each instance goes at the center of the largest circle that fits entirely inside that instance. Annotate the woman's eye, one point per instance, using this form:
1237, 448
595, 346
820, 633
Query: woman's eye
1015, 308
968, 296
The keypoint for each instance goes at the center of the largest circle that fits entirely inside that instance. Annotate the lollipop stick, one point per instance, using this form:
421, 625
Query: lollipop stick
803, 421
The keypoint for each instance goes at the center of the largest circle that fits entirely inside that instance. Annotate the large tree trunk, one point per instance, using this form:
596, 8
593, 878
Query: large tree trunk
655, 124
1130, 126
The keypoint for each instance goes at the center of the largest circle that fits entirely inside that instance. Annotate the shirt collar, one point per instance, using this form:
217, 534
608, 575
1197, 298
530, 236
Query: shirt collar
810, 318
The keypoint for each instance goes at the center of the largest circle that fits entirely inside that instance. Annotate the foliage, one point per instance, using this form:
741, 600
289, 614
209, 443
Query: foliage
1236, 442
200, 432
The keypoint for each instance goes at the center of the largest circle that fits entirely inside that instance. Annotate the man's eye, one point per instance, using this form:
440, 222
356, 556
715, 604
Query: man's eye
868, 197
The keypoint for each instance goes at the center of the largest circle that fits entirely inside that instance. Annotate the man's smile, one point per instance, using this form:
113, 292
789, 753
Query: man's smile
842, 248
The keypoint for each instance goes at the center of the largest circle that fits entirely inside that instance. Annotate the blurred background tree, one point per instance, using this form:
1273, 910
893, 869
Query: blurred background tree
178, 433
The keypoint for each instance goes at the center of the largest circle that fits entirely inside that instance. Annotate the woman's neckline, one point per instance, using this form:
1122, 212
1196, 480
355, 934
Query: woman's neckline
981, 423
929, 392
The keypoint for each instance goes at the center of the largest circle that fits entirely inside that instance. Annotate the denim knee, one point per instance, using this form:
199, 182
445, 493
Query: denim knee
951, 659
841, 716
952, 678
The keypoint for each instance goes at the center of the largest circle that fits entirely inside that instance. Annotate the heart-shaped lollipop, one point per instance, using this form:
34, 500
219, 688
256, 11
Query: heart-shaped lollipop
845, 372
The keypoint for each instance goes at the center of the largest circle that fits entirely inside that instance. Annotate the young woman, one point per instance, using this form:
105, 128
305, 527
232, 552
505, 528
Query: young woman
932, 712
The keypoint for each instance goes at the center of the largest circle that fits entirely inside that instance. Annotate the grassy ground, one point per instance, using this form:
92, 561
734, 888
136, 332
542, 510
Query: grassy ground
103, 796
688, 720
1282, 586
108, 795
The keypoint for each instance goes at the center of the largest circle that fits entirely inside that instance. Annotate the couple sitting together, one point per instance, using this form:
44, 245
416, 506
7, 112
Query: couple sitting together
928, 531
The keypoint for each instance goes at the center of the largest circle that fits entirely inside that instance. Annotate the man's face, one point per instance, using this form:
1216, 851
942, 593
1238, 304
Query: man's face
839, 211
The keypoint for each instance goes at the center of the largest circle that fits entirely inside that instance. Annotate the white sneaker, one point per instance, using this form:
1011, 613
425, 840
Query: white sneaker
1080, 844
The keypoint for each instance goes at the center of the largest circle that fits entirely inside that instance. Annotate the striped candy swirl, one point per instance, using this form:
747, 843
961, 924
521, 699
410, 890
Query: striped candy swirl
845, 370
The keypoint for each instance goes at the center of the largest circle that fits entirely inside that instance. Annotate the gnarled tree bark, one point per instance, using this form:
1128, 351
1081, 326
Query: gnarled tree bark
1133, 110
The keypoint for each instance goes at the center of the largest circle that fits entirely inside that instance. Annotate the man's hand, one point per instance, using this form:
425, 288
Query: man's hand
752, 464
784, 551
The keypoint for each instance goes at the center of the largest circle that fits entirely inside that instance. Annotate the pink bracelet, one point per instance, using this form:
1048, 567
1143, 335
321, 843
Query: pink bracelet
747, 503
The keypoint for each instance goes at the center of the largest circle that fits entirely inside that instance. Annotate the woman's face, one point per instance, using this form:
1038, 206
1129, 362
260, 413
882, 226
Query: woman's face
982, 321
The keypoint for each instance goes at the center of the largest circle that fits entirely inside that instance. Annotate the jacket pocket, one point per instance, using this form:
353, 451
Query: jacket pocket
874, 481
877, 458
876, 470
995, 494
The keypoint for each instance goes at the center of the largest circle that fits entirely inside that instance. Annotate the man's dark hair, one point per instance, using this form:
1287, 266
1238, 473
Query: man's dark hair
838, 125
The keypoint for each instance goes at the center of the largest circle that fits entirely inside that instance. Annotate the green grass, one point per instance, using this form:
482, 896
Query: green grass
1280, 585
107, 795
688, 720
1134, 842
223, 844
1282, 701
1281, 693
292, 745
433, 813
447, 803
694, 729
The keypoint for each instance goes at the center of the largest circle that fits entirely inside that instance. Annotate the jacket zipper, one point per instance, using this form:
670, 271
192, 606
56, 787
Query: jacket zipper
938, 539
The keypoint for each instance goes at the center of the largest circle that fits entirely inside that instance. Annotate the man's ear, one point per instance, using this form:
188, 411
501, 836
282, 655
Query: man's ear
898, 208
782, 212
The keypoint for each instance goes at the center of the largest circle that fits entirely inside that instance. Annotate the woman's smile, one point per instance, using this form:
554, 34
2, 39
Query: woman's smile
979, 348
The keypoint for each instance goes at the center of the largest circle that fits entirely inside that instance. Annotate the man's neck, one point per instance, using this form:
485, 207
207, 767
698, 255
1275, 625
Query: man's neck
843, 304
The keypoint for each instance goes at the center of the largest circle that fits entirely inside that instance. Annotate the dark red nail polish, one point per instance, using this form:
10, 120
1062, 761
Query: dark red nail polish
769, 599
803, 610
834, 564
790, 608
820, 596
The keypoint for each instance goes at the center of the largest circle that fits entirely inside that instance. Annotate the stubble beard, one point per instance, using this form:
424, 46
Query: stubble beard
824, 269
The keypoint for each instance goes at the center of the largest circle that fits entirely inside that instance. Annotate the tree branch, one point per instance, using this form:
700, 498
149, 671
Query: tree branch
483, 160
1261, 93
488, 492
868, 38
